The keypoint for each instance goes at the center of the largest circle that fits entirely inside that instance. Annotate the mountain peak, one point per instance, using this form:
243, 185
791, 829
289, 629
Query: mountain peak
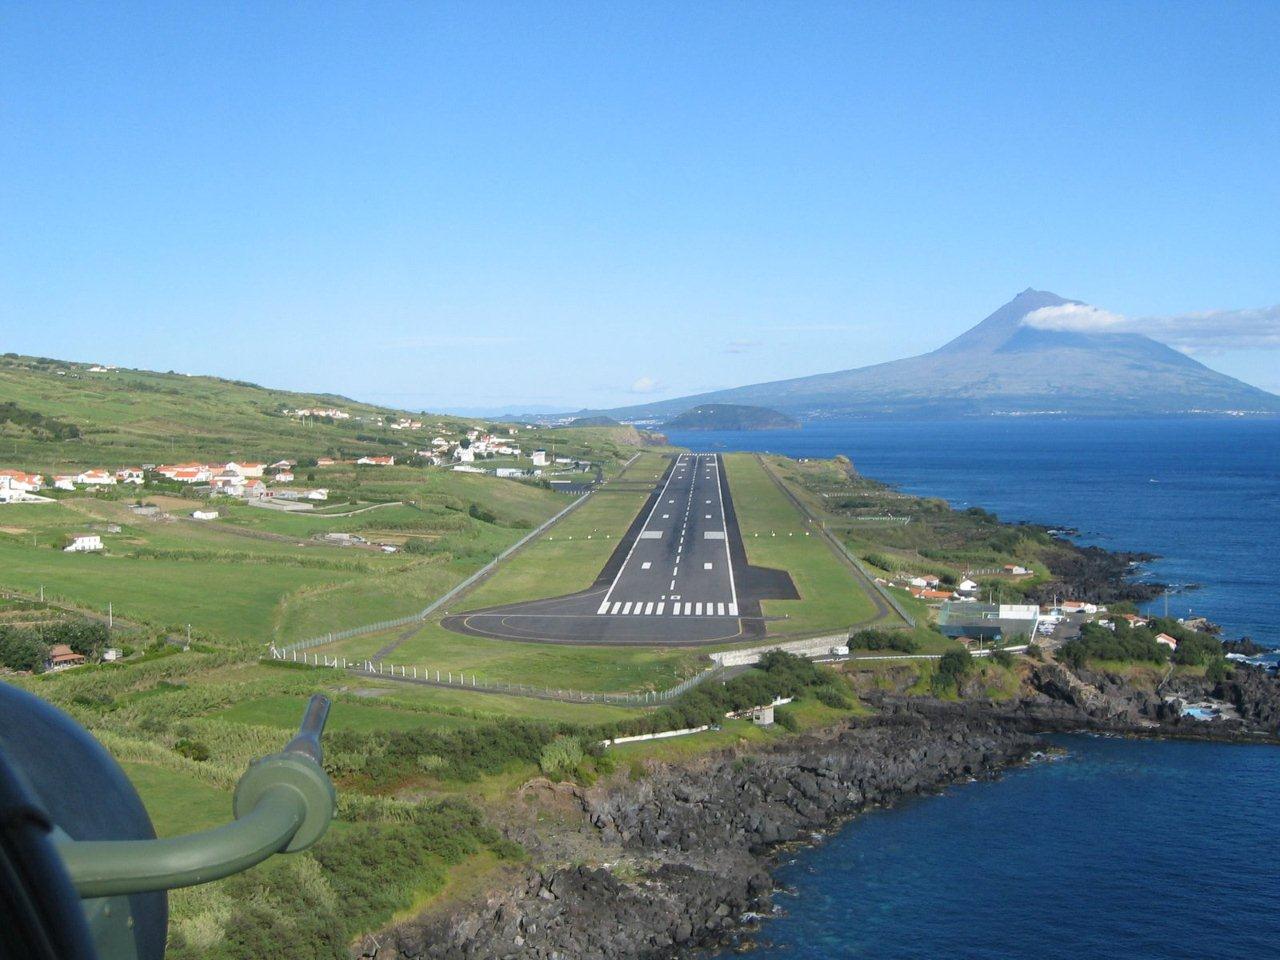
1004, 323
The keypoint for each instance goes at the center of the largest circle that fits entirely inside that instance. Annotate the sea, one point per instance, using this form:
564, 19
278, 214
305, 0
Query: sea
1130, 850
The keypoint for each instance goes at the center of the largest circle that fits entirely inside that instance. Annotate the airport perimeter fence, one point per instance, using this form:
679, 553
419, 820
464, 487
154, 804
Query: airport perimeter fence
471, 681
327, 638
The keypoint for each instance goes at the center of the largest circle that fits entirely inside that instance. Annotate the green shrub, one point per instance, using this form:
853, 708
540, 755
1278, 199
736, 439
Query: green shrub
561, 756
786, 719
873, 639
192, 750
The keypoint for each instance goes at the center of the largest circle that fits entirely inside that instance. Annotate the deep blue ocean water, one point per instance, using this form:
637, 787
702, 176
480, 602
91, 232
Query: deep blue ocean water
1127, 850
1124, 850
1203, 494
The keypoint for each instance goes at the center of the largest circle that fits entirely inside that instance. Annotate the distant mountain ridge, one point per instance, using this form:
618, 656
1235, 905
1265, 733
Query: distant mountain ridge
1004, 367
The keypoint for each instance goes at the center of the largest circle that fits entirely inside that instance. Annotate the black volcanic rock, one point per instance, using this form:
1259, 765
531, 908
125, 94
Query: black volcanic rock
1003, 366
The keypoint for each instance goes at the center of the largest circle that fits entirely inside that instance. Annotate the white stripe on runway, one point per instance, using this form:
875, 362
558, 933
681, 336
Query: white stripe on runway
626, 608
733, 609
698, 609
604, 608
617, 605
659, 610
639, 608
675, 609
648, 609
720, 609
688, 609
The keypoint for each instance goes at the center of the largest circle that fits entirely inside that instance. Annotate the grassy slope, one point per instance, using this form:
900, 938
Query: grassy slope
776, 535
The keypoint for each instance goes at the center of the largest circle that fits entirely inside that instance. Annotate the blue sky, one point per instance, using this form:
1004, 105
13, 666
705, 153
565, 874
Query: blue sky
543, 207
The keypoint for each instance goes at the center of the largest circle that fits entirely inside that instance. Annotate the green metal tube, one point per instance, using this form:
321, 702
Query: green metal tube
105, 868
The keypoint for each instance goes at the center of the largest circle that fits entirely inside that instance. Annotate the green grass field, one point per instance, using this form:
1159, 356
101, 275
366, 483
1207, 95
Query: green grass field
608, 669
777, 535
566, 558
176, 802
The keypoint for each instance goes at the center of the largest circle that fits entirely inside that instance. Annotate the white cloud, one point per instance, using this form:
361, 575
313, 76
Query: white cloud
644, 385
1078, 317
1209, 331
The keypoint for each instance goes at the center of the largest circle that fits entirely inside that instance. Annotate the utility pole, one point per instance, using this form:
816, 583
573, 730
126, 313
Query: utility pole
110, 615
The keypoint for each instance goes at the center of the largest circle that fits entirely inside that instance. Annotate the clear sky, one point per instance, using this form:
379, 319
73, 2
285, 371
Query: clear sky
525, 206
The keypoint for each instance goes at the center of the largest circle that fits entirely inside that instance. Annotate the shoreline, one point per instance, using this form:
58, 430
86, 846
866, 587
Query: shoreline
679, 861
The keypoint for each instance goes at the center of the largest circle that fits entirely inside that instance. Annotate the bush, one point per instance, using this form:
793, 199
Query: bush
1003, 657
192, 750
954, 666
786, 719
561, 756
1218, 670
874, 639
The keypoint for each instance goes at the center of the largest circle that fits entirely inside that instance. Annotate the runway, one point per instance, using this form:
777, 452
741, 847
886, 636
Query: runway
679, 577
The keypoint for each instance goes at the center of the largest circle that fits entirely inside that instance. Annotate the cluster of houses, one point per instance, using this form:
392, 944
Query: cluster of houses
331, 412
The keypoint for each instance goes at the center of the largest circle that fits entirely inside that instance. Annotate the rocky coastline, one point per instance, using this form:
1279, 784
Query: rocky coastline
678, 861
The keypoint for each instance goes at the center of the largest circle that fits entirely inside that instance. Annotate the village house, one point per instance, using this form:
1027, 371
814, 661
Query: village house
96, 478
133, 475
64, 481
228, 483
62, 657
283, 476
16, 485
255, 490
1077, 606
325, 461
284, 465
186, 472
539, 458
245, 469
318, 494
467, 468
112, 654
83, 543
1167, 640
464, 455
205, 515
1133, 620
377, 461
1014, 570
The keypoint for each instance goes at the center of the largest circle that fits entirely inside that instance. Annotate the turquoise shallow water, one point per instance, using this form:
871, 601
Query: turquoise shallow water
1125, 850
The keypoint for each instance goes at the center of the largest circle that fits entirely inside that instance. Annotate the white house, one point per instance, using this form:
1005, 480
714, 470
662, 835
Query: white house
967, 586
377, 461
64, 482
284, 476
539, 458
1167, 640
283, 465
205, 515
133, 475
15, 485
464, 455
467, 468
246, 469
318, 494
96, 478
112, 654
84, 543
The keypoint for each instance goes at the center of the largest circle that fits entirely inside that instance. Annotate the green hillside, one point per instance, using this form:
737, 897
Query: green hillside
55, 413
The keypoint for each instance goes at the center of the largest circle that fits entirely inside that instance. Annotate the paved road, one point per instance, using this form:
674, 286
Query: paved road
679, 577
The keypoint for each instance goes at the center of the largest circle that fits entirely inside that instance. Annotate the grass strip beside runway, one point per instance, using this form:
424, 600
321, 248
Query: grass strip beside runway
774, 535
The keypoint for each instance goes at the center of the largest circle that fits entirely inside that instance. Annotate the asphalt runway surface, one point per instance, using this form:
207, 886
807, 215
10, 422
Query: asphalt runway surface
679, 577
